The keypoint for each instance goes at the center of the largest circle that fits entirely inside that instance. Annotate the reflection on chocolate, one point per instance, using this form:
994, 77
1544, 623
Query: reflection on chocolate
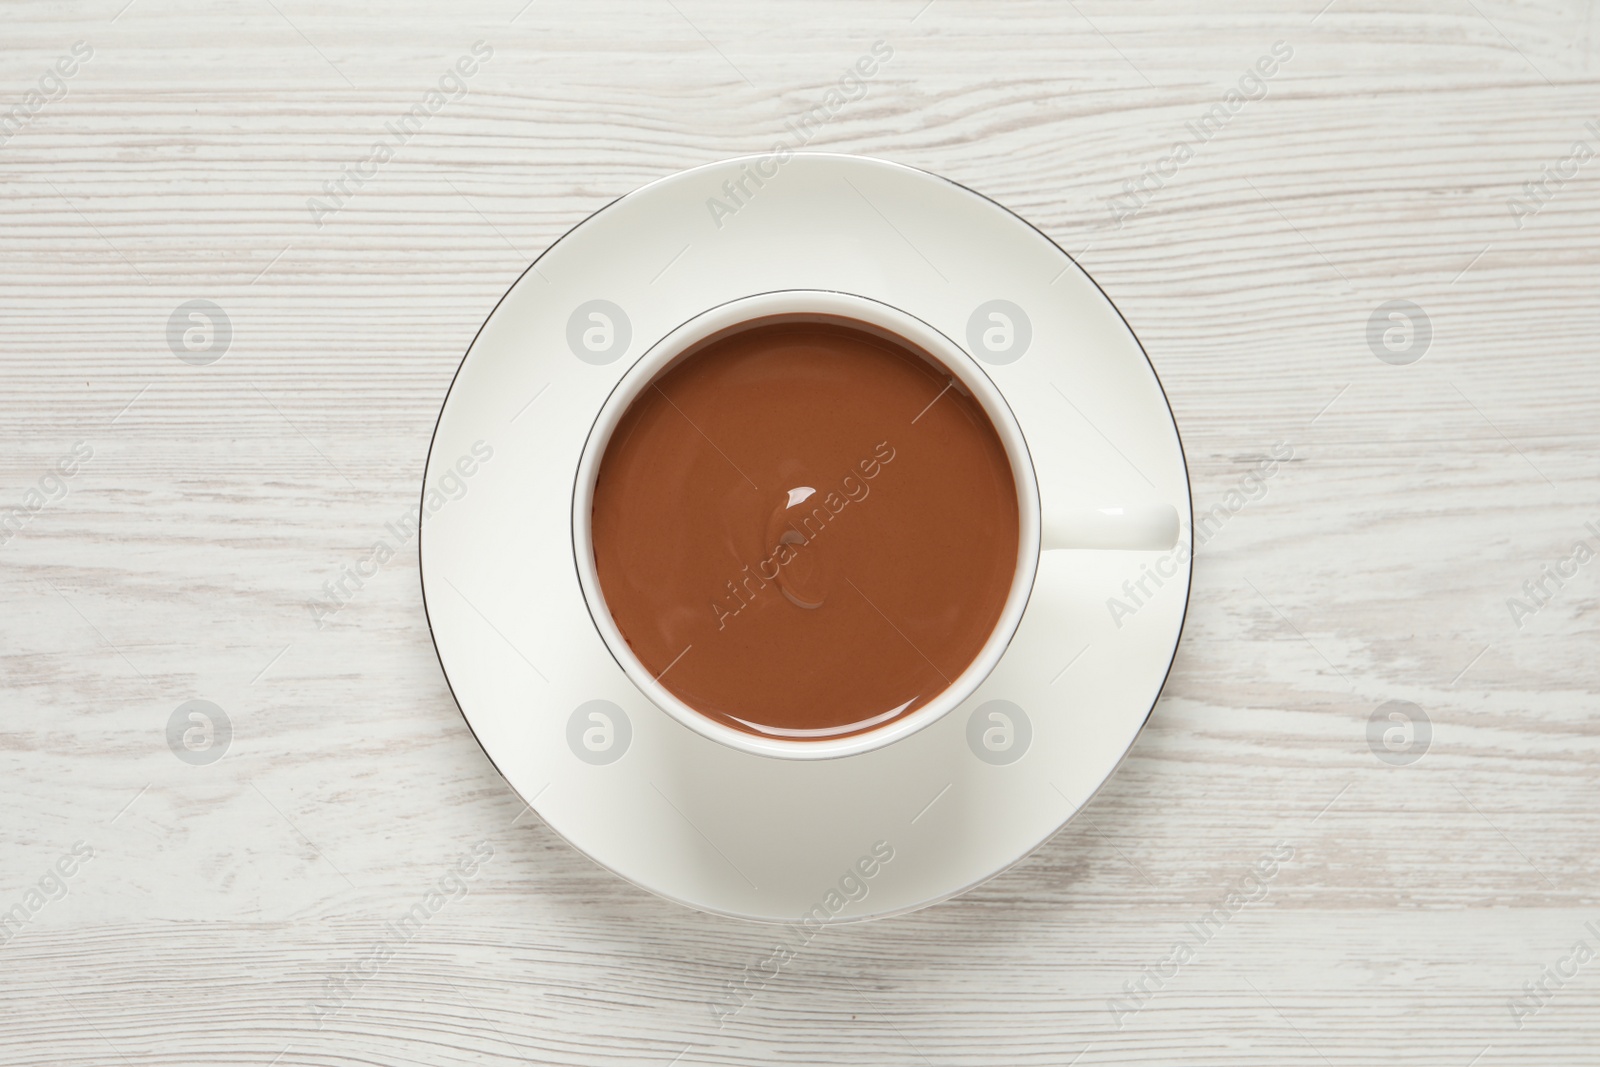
804, 530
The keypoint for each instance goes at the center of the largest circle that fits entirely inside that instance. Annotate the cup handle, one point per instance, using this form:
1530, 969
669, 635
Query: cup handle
1126, 526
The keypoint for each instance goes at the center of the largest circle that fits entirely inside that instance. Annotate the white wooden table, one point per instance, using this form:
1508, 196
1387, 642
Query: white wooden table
178, 561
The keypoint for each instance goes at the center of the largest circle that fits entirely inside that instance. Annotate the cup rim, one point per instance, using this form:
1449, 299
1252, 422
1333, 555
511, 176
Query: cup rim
800, 305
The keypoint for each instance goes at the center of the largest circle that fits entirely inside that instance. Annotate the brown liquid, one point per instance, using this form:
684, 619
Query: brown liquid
803, 527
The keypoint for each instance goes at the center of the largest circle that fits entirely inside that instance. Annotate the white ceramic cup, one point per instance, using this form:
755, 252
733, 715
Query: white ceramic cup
1046, 527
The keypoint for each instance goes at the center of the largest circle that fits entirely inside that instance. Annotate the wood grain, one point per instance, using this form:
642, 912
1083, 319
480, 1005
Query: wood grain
219, 499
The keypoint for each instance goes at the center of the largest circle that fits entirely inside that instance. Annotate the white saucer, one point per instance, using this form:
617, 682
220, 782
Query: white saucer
685, 817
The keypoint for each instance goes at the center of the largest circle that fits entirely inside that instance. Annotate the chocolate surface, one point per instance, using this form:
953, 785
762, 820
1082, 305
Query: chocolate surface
805, 530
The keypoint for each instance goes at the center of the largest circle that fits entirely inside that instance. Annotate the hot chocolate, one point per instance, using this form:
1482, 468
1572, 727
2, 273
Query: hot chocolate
805, 530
